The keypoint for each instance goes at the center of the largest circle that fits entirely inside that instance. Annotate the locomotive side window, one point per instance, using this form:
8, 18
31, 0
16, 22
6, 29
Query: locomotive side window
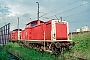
33, 24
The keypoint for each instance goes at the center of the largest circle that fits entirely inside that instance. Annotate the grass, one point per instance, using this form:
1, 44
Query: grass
81, 50
28, 53
3, 54
82, 46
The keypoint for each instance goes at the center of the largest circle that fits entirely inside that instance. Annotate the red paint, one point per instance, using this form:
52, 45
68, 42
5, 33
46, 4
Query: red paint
61, 32
35, 31
23, 35
48, 31
14, 35
28, 33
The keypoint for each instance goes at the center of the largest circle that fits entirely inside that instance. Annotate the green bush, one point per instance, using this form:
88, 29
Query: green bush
10, 45
82, 42
28, 53
82, 46
3, 54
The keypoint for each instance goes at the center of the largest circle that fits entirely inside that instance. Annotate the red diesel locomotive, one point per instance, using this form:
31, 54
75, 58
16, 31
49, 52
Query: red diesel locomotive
51, 36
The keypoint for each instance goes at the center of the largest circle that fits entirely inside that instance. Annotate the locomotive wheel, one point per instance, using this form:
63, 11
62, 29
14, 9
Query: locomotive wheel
41, 48
53, 48
56, 48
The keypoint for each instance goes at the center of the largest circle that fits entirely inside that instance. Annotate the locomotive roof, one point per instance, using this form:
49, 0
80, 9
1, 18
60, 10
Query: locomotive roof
34, 22
17, 30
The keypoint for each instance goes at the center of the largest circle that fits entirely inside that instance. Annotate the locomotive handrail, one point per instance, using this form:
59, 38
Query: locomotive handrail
48, 40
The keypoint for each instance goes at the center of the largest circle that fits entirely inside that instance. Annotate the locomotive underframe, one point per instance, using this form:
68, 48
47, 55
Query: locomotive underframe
54, 47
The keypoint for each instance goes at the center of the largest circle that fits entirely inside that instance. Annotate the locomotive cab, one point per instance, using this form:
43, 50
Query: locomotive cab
59, 30
34, 23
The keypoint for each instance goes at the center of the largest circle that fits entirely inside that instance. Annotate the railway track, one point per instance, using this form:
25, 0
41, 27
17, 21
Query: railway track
12, 56
76, 58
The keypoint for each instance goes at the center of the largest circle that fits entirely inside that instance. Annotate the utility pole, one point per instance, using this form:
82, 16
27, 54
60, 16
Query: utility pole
61, 18
18, 22
18, 27
38, 11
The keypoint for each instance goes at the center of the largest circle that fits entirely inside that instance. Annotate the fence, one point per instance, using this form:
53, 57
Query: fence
5, 34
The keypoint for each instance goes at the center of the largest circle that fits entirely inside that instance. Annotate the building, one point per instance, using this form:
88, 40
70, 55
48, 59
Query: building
78, 30
83, 29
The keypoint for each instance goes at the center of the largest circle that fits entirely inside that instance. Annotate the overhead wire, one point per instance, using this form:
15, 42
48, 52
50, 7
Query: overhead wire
69, 10
63, 11
76, 13
59, 8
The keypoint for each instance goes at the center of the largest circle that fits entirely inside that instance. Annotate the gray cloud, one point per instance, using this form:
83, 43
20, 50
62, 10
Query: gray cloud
26, 9
26, 15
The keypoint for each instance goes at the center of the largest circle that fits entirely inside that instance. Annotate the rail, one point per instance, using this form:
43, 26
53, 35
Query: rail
73, 57
12, 56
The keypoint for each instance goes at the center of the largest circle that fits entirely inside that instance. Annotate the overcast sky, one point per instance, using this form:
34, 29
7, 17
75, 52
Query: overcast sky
76, 12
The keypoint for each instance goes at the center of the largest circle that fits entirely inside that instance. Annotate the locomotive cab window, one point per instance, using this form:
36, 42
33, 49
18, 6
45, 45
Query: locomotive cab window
33, 24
